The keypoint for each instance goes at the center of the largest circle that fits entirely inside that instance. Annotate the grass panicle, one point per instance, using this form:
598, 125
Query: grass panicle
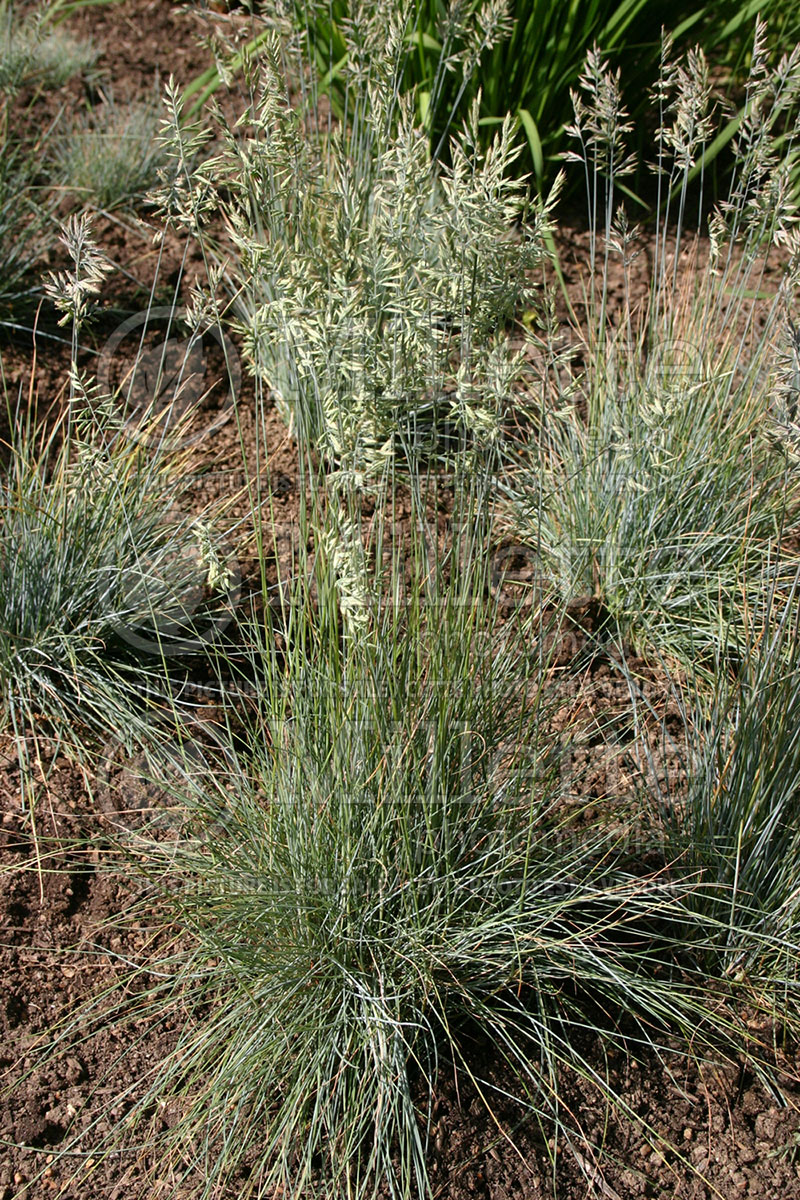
373, 288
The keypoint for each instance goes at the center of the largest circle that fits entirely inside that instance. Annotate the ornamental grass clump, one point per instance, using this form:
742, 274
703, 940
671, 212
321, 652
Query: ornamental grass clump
111, 157
379, 849
100, 573
34, 54
35, 49
734, 818
388, 857
98, 560
658, 478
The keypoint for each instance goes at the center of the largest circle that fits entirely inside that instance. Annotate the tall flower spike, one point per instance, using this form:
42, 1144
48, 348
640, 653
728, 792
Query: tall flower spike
183, 194
601, 119
691, 108
70, 291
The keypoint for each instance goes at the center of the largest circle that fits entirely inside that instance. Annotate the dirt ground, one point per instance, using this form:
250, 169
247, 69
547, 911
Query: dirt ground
63, 940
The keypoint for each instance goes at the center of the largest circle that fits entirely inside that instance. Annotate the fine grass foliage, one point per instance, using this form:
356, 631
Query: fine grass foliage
733, 817
35, 49
26, 232
658, 480
111, 157
384, 865
98, 560
34, 54
379, 849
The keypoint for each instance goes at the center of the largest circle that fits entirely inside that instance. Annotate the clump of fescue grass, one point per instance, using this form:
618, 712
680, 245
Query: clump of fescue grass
34, 54
386, 861
654, 482
35, 51
112, 156
97, 557
732, 818
97, 561
389, 850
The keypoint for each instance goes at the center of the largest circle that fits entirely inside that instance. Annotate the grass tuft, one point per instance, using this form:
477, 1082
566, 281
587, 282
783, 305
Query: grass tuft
657, 480
112, 157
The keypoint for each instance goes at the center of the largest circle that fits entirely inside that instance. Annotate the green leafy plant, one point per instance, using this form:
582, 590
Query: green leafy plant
524, 58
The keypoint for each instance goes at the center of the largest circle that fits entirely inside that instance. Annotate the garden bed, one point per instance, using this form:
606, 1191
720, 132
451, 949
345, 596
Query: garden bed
64, 942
